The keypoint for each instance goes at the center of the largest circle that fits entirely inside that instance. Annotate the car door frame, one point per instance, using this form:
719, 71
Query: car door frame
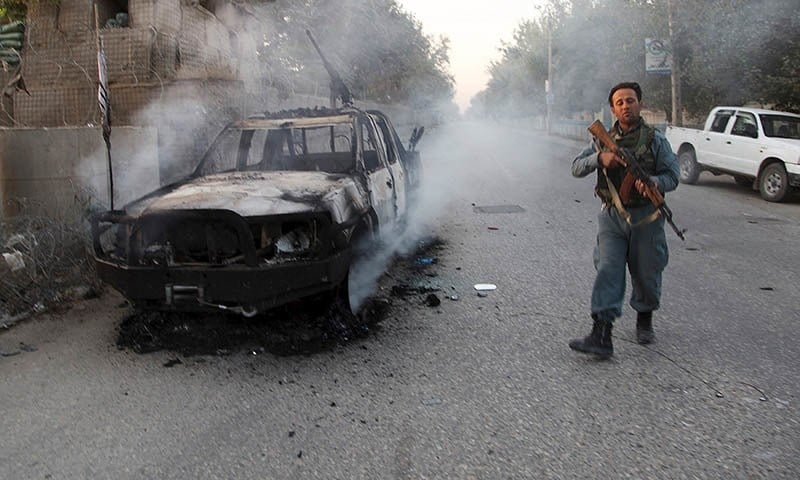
395, 162
379, 182
714, 143
744, 153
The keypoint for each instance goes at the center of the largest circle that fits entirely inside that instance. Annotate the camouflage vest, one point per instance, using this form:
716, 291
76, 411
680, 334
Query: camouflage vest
638, 141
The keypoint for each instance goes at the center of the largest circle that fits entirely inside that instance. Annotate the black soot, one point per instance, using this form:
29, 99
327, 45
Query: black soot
301, 328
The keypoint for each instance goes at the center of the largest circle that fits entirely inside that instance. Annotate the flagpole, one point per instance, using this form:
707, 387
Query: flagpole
105, 104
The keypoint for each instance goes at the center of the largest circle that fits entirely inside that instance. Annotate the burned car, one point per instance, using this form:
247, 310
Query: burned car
272, 213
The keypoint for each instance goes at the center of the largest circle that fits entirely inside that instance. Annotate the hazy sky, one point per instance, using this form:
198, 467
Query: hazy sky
475, 29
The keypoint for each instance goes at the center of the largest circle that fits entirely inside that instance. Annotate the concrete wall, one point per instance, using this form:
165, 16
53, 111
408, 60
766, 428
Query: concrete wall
57, 172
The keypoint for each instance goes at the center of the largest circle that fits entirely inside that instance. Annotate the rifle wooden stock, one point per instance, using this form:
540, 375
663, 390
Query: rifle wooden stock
599, 132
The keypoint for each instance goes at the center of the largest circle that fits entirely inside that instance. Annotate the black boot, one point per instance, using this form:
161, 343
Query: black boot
597, 342
644, 328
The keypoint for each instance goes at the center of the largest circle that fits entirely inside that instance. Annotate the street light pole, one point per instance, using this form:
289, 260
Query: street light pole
675, 77
548, 85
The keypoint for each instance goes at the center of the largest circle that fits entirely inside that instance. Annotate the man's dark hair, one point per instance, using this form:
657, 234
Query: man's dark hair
632, 85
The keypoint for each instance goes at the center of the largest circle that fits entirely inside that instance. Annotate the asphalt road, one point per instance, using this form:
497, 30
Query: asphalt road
478, 387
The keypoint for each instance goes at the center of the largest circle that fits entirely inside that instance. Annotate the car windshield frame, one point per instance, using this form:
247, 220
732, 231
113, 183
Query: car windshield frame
325, 144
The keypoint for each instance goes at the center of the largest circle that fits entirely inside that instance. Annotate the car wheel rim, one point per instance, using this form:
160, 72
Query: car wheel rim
686, 169
773, 183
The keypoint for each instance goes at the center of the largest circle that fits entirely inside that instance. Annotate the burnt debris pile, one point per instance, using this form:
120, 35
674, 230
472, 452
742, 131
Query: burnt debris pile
305, 327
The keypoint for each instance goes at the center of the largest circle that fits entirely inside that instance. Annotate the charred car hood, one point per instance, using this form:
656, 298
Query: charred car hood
262, 193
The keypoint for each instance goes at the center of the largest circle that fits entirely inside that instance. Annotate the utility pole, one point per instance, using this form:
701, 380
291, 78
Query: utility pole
677, 108
548, 84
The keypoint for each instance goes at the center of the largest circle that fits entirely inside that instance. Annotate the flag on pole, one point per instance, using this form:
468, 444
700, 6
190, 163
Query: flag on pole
105, 104
102, 92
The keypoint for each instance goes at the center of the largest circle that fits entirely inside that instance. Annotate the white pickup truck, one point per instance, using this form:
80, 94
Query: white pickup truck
760, 148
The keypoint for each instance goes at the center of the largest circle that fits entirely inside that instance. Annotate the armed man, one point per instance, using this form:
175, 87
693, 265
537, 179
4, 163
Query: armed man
631, 220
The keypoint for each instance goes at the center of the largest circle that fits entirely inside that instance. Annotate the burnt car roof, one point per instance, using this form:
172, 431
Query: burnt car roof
299, 117
290, 122
307, 113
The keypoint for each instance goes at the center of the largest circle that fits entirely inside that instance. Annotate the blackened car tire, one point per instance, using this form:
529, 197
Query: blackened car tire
773, 183
690, 170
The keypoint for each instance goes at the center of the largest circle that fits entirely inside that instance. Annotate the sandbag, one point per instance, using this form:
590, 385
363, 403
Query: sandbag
12, 27
12, 36
10, 44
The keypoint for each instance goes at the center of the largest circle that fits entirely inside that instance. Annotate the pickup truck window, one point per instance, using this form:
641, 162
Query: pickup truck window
781, 126
325, 148
745, 125
721, 121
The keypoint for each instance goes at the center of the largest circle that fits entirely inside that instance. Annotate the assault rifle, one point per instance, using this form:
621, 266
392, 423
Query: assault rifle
633, 172
338, 88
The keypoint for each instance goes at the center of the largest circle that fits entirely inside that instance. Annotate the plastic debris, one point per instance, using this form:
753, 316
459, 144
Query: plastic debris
426, 260
14, 260
485, 286
493, 228
22, 240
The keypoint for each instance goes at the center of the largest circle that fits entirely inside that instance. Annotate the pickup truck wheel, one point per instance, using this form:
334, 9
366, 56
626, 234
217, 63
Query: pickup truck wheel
773, 183
359, 281
690, 170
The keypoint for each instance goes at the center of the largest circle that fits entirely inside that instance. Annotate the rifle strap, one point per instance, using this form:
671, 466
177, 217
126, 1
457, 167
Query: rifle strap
621, 209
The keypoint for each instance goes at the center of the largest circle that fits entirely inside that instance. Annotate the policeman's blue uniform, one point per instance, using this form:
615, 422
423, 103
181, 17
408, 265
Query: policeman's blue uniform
640, 246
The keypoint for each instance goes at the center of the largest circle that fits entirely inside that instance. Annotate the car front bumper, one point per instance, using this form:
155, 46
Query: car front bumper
233, 287
793, 170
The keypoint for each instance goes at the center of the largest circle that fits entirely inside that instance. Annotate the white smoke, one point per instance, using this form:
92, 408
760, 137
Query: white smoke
451, 166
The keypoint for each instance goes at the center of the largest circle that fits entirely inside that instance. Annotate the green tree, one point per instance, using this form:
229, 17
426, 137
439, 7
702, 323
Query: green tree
737, 51
379, 49
11, 10
593, 48
517, 81
729, 51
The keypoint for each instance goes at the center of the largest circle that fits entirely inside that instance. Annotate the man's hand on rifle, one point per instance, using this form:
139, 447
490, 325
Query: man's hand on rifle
641, 187
650, 191
611, 160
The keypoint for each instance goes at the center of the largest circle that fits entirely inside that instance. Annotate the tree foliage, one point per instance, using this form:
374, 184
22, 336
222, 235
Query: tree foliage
517, 82
379, 49
729, 52
11, 10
